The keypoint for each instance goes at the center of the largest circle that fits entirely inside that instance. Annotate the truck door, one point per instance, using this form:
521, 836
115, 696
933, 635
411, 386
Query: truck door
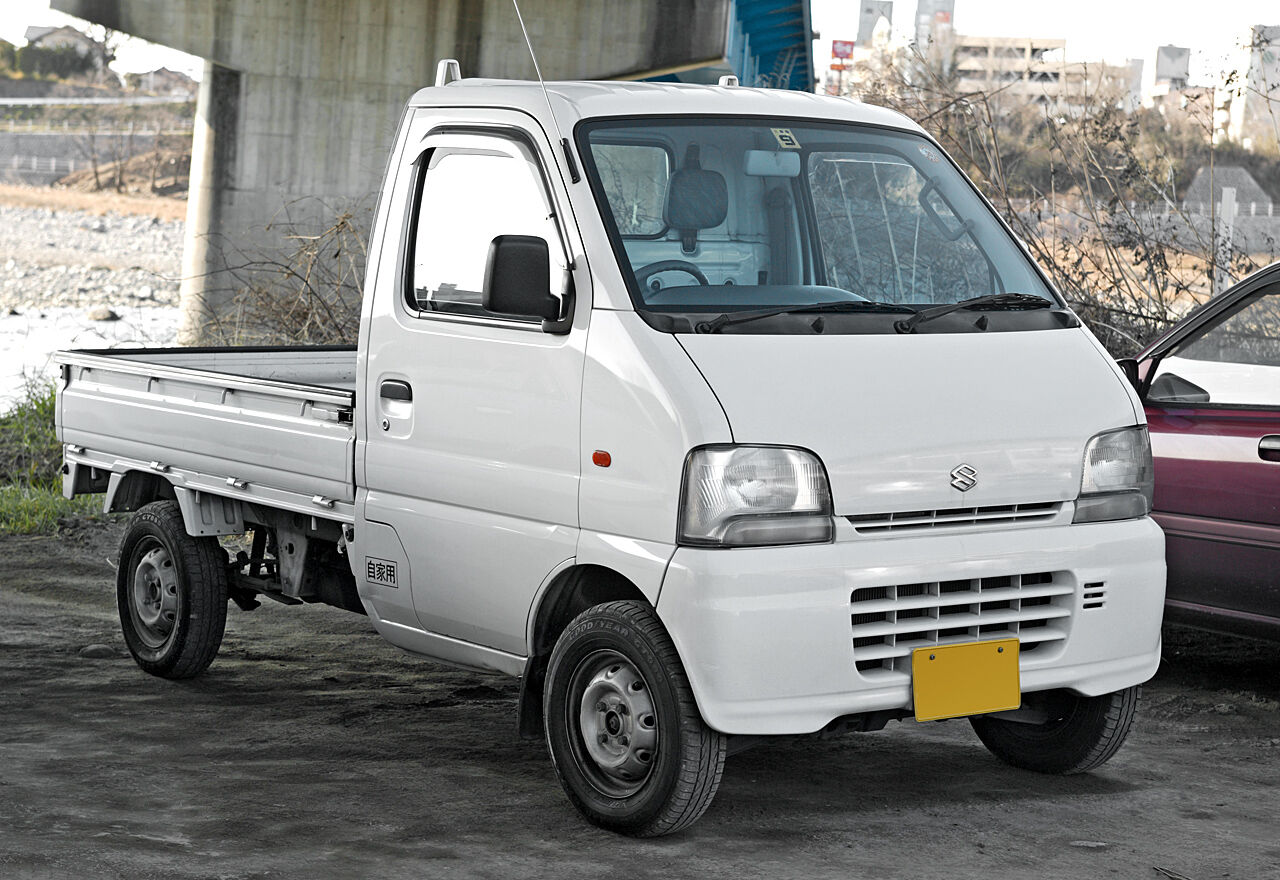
472, 417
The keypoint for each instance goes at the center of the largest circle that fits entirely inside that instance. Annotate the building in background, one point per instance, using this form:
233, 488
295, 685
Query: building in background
1251, 199
1254, 93
933, 21
1172, 96
1173, 68
163, 81
62, 38
1014, 71
872, 16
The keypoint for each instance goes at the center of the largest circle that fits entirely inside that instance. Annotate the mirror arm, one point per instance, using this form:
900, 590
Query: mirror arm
1144, 382
562, 325
1129, 366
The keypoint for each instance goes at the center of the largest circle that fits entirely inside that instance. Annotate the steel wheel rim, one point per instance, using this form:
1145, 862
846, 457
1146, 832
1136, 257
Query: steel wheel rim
154, 595
614, 722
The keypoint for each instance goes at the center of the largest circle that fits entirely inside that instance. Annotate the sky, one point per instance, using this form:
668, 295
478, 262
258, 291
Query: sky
1095, 30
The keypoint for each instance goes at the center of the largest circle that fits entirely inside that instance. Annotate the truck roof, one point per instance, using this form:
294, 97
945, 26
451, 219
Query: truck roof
574, 101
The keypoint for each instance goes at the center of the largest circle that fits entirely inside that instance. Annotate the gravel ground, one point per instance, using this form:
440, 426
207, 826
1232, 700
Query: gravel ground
63, 271
77, 259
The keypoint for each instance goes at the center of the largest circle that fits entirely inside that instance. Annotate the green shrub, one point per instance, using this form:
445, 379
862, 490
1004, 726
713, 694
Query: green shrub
58, 62
30, 511
29, 451
31, 501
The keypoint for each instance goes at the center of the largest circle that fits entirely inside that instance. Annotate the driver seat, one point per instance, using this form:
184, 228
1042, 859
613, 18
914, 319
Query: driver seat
696, 199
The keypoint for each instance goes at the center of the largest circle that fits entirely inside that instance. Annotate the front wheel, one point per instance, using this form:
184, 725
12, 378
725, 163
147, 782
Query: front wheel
623, 729
1082, 733
171, 590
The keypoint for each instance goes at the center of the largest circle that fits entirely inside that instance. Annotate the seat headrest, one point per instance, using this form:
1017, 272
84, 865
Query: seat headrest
696, 199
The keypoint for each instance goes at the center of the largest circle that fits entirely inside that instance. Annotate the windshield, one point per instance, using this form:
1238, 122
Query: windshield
717, 216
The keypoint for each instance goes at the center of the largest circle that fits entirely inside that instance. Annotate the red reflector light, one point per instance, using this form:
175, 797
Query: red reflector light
600, 458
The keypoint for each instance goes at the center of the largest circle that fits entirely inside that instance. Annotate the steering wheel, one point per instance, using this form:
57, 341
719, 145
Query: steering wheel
643, 273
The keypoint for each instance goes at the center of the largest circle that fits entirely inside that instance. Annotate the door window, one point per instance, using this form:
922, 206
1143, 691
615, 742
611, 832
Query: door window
469, 195
1235, 361
634, 178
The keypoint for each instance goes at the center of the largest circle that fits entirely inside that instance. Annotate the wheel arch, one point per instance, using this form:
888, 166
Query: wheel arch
571, 592
133, 490
202, 514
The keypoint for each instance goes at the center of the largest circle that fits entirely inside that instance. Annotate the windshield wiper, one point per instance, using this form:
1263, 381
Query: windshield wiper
991, 301
857, 305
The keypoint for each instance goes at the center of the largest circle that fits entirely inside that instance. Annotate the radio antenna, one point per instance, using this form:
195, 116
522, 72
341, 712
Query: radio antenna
564, 141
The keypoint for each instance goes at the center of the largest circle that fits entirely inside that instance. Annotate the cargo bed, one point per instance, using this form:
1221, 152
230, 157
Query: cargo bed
272, 426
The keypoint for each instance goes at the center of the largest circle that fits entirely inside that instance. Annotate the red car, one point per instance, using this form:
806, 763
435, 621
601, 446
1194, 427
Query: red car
1211, 387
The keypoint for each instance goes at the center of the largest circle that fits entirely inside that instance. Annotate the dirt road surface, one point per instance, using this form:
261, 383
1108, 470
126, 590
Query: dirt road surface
312, 749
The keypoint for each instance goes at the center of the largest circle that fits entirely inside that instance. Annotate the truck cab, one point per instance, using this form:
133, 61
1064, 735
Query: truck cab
710, 412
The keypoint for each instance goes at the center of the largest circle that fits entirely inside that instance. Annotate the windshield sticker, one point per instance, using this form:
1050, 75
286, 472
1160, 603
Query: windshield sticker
786, 139
930, 153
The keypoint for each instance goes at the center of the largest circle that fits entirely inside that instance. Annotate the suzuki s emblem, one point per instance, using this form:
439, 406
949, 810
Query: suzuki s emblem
964, 477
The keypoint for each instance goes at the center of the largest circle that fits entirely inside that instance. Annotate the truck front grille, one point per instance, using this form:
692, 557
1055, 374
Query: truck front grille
889, 622
955, 517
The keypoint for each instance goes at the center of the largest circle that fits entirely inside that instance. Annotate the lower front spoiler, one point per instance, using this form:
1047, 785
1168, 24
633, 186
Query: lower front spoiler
765, 634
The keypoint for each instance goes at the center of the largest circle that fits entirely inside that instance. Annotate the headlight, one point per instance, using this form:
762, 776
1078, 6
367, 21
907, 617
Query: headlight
1118, 475
741, 496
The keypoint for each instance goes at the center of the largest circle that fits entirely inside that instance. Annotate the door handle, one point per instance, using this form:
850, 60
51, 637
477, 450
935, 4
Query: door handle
394, 389
1269, 448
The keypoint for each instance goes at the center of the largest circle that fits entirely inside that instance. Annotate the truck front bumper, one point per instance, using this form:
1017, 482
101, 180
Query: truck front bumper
767, 634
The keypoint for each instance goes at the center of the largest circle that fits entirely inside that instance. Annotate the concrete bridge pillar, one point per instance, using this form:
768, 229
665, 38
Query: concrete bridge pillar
212, 152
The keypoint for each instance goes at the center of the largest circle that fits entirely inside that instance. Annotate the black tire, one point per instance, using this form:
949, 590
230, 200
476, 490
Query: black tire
171, 591
613, 666
1085, 733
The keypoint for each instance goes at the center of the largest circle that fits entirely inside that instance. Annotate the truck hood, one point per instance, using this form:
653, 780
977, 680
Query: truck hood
892, 416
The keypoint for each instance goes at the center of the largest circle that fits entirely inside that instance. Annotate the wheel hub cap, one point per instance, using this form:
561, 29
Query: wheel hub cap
618, 723
155, 596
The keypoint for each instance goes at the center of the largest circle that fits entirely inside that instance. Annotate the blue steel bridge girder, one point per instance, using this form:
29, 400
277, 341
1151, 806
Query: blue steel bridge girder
772, 41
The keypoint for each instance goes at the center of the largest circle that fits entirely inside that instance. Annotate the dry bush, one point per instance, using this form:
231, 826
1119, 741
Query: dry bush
308, 291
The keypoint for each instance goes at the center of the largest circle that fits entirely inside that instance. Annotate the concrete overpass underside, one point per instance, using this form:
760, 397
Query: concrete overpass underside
300, 98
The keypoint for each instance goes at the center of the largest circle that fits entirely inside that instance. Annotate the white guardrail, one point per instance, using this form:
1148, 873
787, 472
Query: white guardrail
50, 164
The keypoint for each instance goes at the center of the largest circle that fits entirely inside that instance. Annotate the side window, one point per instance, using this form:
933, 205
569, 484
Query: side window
887, 234
470, 195
634, 177
1234, 362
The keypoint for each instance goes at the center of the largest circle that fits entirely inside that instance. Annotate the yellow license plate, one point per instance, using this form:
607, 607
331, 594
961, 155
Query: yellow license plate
951, 681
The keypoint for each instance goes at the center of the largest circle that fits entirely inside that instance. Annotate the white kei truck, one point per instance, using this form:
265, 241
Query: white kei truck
711, 412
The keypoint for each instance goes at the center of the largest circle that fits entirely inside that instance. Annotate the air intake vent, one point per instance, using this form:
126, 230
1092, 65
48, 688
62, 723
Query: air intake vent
889, 622
1094, 595
956, 517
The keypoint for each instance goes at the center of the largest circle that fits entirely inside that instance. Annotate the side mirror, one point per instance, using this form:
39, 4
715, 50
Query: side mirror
1168, 388
517, 279
1129, 366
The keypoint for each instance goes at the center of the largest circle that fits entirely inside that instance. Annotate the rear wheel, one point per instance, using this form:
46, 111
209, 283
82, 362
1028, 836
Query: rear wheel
171, 591
623, 729
1082, 733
